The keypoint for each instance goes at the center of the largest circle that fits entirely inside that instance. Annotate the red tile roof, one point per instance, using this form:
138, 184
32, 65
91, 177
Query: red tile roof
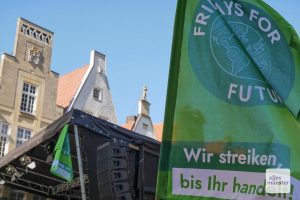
68, 86
128, 125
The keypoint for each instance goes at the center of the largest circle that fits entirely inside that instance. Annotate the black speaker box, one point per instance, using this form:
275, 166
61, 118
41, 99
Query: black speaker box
114, 172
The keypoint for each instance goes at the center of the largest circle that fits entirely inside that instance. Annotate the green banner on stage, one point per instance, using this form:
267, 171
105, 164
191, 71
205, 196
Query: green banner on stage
233, 102
62, 163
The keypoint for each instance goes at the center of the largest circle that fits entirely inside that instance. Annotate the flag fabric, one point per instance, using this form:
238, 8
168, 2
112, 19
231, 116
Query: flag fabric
62, 163
233, 103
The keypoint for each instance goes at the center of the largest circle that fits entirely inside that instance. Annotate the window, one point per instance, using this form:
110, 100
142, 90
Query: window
145, 126
3, 138
97, 94
22, 135
28, 100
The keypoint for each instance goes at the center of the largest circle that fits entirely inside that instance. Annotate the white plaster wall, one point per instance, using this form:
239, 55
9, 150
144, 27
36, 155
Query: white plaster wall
140, 129
85, 100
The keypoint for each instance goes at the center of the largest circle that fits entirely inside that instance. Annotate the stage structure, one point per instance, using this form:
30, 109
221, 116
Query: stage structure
114, 163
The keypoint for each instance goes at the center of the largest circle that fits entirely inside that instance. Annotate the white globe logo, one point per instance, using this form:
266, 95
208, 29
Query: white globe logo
239, 50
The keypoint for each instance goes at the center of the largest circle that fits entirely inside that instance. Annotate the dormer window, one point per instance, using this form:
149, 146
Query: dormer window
97, 94
145, 126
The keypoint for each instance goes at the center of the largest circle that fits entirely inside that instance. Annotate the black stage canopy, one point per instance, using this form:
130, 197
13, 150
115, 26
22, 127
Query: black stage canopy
117, 163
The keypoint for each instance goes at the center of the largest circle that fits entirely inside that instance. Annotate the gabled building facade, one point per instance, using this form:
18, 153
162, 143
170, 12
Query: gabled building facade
142, 122
28, 87
87, 89
28, 90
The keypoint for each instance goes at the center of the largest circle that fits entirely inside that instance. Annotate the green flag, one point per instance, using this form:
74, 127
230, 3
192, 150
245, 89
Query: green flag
232, 103
62, 163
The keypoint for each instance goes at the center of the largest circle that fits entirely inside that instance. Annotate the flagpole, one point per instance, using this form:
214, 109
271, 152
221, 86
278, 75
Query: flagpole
82, 184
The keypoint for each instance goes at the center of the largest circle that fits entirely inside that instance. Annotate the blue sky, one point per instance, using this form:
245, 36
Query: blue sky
135, 36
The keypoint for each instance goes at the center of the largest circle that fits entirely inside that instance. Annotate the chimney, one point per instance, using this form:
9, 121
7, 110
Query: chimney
130, 119
144, 105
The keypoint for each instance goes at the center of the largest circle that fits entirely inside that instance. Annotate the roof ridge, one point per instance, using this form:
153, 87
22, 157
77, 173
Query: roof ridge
75, 70
69, 84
